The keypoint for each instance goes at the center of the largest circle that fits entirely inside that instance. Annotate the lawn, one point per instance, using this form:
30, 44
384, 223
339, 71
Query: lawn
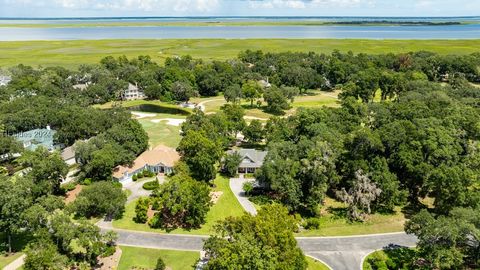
146, 258
5, 260
161, 132
334, 222
76, 52
226, 206
316, 265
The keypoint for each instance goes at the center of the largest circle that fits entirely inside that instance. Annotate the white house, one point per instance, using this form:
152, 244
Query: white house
133, 93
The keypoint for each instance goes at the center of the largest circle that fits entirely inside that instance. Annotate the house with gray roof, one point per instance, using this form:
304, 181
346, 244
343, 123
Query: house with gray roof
35, 138
252, 159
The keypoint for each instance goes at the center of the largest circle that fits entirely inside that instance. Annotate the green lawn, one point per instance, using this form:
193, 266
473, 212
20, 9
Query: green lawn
316, 265
146, 258
334, 222
76, 52
161, 132
226, 206
5, 260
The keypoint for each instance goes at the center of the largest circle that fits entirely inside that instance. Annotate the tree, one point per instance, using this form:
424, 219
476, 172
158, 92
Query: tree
447, 242
15, 199
231, 163
251, 91
182, 91
234, 115
233, 94
141, 210
101, 199
200, 154
254, 132
181, 202
44, 255
277, 102
47, 170
360, 197
260, 242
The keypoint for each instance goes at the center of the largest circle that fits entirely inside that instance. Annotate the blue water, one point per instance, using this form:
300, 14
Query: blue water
467, 31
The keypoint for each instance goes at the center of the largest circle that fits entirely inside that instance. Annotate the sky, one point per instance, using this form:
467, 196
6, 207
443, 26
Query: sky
178, 8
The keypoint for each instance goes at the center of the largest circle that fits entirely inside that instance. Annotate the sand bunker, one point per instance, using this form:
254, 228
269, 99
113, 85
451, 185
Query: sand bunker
170, 121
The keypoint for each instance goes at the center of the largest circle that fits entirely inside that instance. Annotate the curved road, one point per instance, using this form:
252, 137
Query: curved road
340, 253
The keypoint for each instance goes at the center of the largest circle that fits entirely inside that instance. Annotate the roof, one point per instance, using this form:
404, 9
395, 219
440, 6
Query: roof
160, 155
32, 139
80, 86
251, 158
68, 153
132, 87
4, 80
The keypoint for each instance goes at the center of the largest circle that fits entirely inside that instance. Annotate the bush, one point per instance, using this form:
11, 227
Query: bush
141, 210
87, 181
247, 187
151, 185
160, 264
134, 178
312, 224
68, 187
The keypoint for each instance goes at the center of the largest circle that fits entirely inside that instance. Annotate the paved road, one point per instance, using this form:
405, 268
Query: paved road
340, 253
236, 185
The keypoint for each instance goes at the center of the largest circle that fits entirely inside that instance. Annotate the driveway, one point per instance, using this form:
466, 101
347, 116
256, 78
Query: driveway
137, 188
339, 253
236, 185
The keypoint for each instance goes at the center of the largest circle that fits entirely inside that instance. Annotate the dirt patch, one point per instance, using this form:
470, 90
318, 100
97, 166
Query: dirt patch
215, 196
110, 263
150, 212
72, 194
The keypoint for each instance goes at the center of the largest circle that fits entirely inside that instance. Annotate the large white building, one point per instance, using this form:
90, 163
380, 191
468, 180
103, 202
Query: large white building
133, 93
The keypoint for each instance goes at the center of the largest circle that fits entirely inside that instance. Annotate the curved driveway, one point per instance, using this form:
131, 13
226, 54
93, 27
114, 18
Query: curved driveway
340, 253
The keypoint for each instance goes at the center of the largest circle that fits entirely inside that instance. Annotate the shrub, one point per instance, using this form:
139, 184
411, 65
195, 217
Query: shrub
160, 264
68, 187
312, 224
248, 187
141, 209
87, 181
151, 185
134, 178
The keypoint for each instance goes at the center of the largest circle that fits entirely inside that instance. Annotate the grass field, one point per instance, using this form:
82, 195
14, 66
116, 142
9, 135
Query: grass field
76, 52
226, 206
146, 258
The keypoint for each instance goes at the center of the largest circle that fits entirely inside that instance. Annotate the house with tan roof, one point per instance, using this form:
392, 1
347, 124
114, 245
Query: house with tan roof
160, 159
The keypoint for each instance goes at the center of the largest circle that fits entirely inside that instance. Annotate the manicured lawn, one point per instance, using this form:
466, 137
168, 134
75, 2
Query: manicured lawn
334, 222
5, 260
76, 52
316, 265
226, 206
146, 258
161, 132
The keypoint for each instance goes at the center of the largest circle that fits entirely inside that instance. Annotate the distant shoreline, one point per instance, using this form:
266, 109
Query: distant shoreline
147, 23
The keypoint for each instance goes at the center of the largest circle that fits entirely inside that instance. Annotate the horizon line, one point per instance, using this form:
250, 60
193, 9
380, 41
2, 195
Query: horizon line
223, 16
